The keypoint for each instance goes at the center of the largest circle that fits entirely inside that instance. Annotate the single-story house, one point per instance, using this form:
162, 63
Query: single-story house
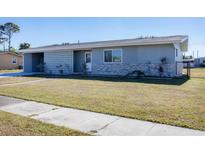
154, 56
199, 61
190, 62
10, 60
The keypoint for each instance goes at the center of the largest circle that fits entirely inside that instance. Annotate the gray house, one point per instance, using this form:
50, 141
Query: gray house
153, 56
199, 62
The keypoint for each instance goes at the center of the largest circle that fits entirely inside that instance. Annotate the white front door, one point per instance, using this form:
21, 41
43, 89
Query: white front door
88, 61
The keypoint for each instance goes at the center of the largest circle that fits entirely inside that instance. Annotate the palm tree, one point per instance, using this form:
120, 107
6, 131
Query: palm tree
2, 38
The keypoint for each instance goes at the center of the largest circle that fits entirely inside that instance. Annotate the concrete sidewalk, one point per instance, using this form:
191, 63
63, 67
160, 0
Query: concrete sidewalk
91, 122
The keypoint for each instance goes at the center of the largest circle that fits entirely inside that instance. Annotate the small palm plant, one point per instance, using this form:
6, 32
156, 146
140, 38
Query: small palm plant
164, 61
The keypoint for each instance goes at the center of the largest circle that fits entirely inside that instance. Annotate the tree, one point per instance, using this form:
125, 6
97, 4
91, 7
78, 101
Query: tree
3, 39
12, 49
1, 34
9, 29
24, 46
2, 42
1, 30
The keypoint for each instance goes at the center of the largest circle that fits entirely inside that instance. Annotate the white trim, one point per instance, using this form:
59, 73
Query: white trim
175, 45
184, 39
112, 56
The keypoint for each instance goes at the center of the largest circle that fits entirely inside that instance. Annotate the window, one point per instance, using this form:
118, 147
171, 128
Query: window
108, 56
113, 55
14, 60
176, 52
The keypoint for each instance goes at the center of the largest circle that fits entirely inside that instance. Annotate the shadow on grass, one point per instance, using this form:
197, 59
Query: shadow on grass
147, 80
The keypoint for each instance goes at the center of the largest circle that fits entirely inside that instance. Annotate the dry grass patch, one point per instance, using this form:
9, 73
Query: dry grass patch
11, 80
14, 125
198, 72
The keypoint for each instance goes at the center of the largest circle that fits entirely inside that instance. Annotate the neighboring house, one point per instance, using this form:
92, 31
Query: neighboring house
10, 60
188, 61
199, 62
115, 57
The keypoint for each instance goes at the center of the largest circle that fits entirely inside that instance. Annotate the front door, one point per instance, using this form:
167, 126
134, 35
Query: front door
88, 61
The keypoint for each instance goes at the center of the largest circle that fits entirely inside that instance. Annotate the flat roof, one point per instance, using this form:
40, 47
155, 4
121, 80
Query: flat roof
112, 43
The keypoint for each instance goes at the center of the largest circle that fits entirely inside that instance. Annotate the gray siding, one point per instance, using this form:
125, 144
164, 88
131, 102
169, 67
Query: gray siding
56, 61
148, 54
27, 62
145, 58
140, 54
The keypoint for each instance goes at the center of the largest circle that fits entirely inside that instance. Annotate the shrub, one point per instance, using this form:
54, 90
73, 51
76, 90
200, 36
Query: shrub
164, 60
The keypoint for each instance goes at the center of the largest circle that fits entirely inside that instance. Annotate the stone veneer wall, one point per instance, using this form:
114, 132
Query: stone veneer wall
123, 69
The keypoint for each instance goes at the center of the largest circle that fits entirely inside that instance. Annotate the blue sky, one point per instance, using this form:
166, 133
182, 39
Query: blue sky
44, 31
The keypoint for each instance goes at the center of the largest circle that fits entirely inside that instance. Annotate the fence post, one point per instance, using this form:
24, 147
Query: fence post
188, 70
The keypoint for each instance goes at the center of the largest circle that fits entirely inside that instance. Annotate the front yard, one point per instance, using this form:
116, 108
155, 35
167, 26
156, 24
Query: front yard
174, 102
12, 80
11, 125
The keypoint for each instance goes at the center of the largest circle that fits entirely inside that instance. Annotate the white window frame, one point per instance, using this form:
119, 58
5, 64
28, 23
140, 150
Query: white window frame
90, 60
12, 60
112, 56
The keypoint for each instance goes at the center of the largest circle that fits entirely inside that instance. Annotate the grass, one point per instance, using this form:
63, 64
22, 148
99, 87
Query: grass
14, 125
10, 71
175, 102
198, 73
11, 80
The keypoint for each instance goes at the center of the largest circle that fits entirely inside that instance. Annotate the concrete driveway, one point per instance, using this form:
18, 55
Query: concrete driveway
91, 122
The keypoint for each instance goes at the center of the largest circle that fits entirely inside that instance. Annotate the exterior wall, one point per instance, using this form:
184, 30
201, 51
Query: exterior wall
144, 58
79, 61
59, 62
27, 66
179, 70
179, 64
178, 59
6, 61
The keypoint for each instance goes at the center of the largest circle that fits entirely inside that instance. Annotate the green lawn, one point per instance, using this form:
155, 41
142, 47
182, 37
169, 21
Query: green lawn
14, 125
175, 102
